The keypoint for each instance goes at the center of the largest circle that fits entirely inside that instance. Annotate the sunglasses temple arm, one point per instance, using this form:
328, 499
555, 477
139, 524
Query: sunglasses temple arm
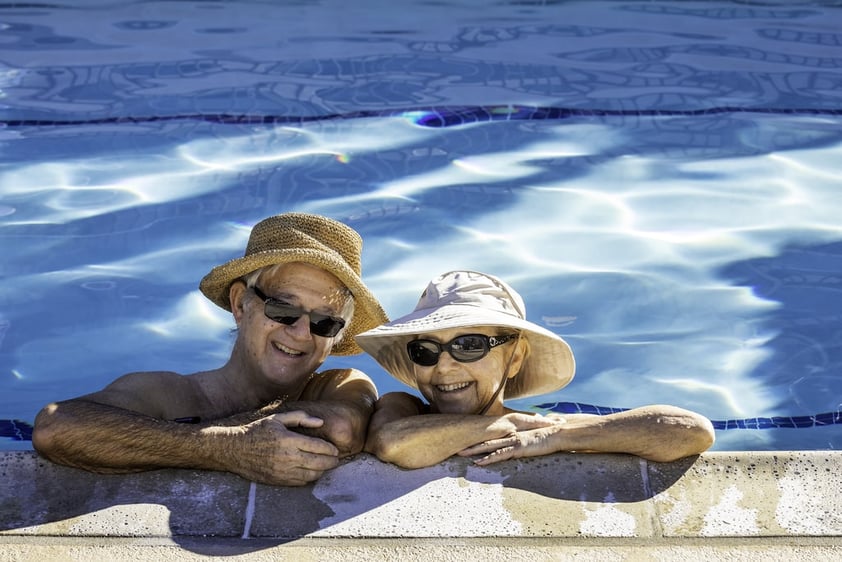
502, 382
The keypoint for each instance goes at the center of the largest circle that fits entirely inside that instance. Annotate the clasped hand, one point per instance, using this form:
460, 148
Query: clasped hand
270, 453
529, 437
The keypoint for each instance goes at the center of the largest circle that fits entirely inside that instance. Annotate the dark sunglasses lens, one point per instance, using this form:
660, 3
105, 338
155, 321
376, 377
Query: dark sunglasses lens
423, 352
282, 313
469, 348
320, 325
325, 326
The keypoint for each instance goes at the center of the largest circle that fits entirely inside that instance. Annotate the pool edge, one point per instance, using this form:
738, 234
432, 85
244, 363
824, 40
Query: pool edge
548, 507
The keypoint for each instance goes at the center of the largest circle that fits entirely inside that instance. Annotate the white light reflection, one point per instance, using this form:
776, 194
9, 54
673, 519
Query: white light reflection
728, 397
480, 169
663, 232
192, 318
61, 192
606, 252
175, 263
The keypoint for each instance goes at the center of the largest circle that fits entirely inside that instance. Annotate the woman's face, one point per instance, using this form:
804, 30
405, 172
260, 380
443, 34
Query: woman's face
452, 387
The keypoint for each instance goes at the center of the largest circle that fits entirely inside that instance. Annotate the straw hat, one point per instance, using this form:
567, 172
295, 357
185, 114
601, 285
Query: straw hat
463, 299
313, 239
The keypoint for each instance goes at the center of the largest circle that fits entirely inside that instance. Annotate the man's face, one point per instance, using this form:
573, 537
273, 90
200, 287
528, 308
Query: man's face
286, 355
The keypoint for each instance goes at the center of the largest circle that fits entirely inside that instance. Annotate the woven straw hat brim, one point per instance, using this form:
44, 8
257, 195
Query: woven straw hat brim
548, 367
368, 312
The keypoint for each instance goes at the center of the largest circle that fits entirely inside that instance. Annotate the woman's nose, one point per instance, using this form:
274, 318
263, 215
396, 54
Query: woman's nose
447, 362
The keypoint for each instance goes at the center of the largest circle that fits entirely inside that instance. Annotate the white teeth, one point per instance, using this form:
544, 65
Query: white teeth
452, 387
287, 350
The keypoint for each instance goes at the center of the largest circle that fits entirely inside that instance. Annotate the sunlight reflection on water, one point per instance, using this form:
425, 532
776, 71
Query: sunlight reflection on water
682, 256
629, 251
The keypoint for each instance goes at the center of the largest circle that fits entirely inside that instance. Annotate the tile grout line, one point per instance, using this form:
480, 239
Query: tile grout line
654, 514
249, 511
644, 475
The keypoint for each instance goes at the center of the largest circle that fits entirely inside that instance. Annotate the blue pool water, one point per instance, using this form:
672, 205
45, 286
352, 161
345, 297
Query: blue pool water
659, 180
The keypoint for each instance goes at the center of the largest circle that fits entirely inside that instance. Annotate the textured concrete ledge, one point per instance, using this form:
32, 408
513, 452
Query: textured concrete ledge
543, 505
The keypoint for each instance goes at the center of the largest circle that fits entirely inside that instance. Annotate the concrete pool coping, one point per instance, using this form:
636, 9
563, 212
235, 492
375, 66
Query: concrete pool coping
736, 505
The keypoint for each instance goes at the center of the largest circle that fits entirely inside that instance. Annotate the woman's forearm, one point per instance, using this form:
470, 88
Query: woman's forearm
658, 433
425, 440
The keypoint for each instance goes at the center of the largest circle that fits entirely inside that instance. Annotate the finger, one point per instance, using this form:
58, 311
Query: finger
315, 461
282, 475
314, 446
485, 447
537, 422
499, 455
298, 418
543, 422
308, 475
474, 450
301, 479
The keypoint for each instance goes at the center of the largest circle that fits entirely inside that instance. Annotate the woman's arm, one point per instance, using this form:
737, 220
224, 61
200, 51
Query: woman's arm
400, 432
658, 433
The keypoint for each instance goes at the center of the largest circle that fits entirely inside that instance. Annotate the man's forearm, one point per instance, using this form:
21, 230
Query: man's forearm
106, 439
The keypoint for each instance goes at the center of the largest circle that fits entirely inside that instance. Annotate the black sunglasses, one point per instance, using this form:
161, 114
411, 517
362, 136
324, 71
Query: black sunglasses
465, 349
322, 325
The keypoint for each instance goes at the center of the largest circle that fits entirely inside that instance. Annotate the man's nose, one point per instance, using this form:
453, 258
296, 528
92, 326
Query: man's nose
301, 326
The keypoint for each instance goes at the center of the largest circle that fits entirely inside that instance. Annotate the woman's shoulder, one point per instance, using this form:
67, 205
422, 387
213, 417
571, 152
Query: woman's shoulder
409, 404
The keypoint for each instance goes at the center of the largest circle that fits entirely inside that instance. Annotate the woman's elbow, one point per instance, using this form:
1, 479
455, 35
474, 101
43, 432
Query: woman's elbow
704, 434
390, 451
380, 447
695, 437
700, 435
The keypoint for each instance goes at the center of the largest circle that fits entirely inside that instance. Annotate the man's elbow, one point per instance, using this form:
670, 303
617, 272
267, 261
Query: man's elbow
45, 433
346, 436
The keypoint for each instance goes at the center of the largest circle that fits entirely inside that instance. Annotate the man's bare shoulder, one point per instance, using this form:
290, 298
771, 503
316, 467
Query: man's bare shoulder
161, 394
338, 383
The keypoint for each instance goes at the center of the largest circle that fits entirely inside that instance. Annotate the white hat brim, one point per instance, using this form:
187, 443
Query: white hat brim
549, 366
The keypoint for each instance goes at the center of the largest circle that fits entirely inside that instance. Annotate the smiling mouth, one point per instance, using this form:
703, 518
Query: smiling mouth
452, 387
287, 350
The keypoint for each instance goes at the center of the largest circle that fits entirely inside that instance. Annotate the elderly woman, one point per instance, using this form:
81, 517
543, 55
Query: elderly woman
466, 347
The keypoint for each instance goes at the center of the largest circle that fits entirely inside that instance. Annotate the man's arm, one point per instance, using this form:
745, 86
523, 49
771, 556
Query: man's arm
344, 399
93, 434
658, 433
401, 434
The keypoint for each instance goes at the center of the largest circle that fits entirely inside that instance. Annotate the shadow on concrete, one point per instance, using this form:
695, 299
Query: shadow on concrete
362, 498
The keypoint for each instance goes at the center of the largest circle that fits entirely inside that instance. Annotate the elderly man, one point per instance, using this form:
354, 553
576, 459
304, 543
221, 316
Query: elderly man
267, 414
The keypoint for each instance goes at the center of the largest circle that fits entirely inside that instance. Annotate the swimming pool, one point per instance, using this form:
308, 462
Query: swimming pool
657, 179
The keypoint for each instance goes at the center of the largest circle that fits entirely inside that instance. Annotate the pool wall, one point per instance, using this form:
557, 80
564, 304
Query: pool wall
776, 505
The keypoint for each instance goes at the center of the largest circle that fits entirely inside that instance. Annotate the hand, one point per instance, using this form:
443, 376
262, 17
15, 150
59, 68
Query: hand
527, 443
521, 422
344, 424
270, 453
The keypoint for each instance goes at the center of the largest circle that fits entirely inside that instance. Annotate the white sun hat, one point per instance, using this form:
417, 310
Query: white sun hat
463, 299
